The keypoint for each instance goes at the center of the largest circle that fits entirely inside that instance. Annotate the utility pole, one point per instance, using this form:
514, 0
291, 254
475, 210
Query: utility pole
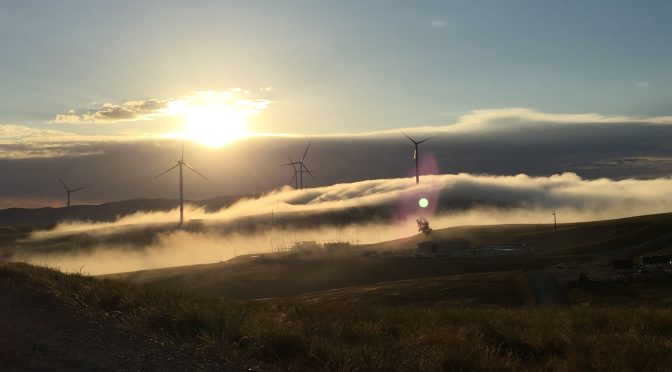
555, 222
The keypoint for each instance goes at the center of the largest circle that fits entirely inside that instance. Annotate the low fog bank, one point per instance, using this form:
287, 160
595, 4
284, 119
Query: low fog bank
364, 212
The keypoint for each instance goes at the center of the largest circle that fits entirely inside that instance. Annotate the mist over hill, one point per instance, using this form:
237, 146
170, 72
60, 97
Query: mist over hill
105, 212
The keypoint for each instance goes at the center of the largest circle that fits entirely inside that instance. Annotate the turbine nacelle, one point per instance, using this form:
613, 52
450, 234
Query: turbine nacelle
69, 190
415, 152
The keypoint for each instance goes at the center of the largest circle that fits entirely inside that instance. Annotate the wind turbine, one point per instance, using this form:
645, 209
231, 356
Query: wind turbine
301, 168
180, 164
69, 190
294, 178
415, 154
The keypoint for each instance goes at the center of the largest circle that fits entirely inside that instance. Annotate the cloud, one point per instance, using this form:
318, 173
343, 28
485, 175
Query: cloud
313, 214
109, 112
438, 24
236, 98
501, 147
18, 142
643, 84
504, 142
21, 142
513, 118
67, 118
246, 103
450, 193
493, 119
151, 108
10, 133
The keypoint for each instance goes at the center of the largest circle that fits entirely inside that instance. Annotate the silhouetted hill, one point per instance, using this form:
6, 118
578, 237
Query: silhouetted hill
101, 212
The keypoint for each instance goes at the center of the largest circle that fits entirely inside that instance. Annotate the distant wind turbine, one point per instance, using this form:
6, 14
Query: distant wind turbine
181, 163
416, 155
295, 177
302, 168
69, 190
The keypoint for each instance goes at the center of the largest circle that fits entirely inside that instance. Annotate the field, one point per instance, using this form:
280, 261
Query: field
346, 311
582, 247
303, 334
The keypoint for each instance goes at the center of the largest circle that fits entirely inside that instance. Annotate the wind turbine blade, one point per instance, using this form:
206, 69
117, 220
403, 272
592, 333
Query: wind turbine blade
305, 152
415, 154
427, 139
63, 183
182, 157
291, 162
197, 172
171, 168
77, 189
311, 173
407, 136
292, 179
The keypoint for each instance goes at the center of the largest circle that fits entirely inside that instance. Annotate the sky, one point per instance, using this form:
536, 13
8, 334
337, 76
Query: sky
90, 90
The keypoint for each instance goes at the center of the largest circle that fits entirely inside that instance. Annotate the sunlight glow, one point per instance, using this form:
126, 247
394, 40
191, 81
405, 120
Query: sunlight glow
214, 125
215, 119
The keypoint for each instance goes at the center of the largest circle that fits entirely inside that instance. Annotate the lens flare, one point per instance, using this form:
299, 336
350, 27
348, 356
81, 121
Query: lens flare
423, 202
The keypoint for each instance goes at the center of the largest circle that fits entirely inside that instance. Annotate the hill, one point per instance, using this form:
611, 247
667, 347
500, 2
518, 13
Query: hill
582, 247
106, 212
43, 329
302, 334
292, 275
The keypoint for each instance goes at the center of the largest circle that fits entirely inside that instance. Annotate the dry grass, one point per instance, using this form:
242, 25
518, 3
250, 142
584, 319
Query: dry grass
297, 274
291, 335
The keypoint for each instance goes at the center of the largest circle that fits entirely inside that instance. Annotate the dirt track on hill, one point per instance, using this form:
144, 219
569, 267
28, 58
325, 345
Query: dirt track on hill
40, 333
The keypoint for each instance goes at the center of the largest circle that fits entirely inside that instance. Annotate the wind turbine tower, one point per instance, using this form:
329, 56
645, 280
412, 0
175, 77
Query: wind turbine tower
295, 177
69, 190
180, 164
416, 155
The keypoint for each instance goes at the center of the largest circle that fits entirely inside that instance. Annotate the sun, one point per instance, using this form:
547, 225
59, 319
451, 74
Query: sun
214, 124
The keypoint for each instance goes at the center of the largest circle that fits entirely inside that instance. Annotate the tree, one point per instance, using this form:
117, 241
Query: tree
423, 225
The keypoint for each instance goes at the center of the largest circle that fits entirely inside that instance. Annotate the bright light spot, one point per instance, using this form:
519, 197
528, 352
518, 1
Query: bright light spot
214, 125
423, 202
215, 119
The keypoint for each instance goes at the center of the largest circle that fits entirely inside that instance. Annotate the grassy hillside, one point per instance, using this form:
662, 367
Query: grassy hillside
274, 276
507, 288
277, 276
333, 335
591, 238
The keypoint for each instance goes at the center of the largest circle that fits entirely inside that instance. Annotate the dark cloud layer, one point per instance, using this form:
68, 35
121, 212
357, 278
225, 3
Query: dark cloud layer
122, 170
